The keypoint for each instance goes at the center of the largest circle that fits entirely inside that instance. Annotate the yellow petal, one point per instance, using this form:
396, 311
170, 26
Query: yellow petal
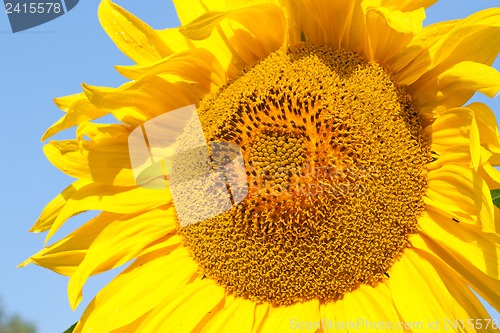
407, 5
464, 242
389, 31
98, 133
491, 175
455, 130
475, 38
78, 111
105, 162
417, 49
196, 65
461, 193
304, 315
405, 22
456, 85
277, 317
473, 75
253, 38
123, 200
249, 34
118, 243
426, 296
189, 11
487, 123
136, 102
339, 23
238, 38
171, 240
139, 289
65, 102
67, 254
218, 43
130, 328
261, 312
481, 283
132, 36
203, 26
175, 41
497, 218
493, 151
237, 315
64, 263
301, 316
333, 318
455, 155
186, 309
370, 309
53, 208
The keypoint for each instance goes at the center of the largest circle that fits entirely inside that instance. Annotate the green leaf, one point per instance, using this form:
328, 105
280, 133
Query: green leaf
495, 195
70, 330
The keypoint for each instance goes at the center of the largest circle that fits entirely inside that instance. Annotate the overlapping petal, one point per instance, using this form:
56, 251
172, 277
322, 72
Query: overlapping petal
120, 242
476, 39
104, 163
299, 316
132, 36
460, 193
469, 275
137, 102
235, 37
78, 109
389, 31
440, 294
67, 254
193, 65
456, 85
454, 138
186, 309
84, 196
138, 290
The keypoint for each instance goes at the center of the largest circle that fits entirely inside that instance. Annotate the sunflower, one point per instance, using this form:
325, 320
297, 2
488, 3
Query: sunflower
367, 196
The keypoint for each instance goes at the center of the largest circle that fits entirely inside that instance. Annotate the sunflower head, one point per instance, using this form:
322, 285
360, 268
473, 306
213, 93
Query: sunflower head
335, 158
282, 162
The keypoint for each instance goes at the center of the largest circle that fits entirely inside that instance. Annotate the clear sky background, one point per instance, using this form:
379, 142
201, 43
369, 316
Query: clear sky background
53, 60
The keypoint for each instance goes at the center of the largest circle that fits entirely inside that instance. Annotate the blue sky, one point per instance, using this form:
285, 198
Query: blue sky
49, 61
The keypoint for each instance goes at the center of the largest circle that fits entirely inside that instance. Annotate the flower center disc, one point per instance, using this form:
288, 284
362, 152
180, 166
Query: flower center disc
335, 160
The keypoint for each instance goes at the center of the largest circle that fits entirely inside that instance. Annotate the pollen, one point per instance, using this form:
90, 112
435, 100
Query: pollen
334, 156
